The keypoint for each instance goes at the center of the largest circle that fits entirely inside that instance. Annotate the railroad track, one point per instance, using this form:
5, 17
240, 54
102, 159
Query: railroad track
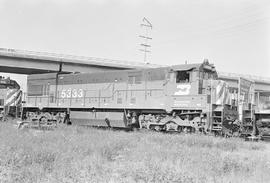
108, 128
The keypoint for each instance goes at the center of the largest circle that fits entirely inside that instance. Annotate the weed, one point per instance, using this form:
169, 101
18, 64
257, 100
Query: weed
75, 154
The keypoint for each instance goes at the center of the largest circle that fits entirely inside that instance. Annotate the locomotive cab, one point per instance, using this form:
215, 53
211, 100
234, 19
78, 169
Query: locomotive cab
192, 79
187, 97
195, 91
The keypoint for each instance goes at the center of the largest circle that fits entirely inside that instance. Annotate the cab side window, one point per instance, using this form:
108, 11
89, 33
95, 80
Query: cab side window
135, 79
183, 77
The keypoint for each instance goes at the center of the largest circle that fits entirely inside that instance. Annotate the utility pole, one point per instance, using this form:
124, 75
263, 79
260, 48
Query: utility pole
146, 25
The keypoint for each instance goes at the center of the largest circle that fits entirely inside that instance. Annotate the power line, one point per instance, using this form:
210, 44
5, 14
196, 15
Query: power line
146, 25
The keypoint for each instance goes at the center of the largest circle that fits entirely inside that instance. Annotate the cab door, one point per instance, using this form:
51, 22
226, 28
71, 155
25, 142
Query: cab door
170, 84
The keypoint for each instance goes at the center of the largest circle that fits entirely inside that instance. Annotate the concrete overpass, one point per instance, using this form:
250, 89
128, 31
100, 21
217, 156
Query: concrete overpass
261, 83
28, 62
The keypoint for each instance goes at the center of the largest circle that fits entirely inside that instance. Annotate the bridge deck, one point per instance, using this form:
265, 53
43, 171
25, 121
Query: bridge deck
29, 62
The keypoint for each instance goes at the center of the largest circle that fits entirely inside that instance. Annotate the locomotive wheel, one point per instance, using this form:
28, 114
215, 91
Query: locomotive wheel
188, 129
48, 115
171, 126
43, 119
60, 117
155, 127
59, 120
180, 129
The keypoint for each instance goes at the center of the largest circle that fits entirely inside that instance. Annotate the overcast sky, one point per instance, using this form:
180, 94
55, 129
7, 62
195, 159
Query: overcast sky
232, 34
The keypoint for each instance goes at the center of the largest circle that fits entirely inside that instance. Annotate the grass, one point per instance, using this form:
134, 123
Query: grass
74, 154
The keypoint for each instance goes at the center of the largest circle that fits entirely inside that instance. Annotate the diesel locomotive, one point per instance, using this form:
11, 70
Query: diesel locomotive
183, 98
10, 97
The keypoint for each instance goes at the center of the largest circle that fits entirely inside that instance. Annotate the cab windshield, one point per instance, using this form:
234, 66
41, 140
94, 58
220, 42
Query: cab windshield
182, 77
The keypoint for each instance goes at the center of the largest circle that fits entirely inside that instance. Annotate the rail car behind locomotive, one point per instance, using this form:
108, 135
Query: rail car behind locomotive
10, 97
178, 98
262, 114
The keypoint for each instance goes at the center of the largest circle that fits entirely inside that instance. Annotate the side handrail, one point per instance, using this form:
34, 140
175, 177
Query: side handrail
99, 97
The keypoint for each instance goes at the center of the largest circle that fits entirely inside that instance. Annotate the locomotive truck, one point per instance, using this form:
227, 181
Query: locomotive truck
183, 98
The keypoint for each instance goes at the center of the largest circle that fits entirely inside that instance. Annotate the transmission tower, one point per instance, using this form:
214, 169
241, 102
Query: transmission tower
147, 26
